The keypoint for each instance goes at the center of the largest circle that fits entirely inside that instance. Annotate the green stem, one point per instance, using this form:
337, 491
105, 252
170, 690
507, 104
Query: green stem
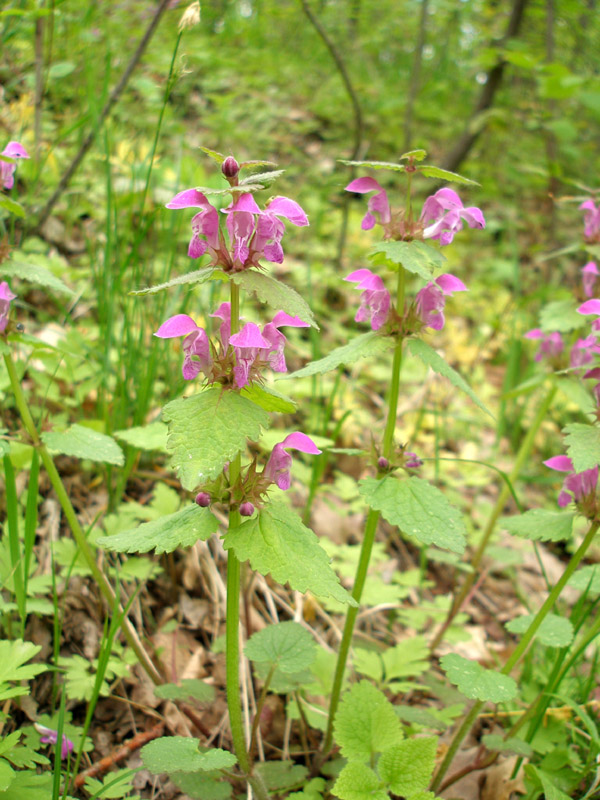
78, 534
522, 456
519, 650
370, 530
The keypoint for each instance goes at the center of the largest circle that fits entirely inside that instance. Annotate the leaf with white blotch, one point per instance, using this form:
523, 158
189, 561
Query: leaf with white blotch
407, 767
359, 782
434, 360
583, 445
181, 529
554, 631
286, 646
33, 274
266, 397
416, 257
429, 171
81, 442
11, 206
476, 682
540, 525
276, 294
374, 165
366, 723
418, 509
181, 754
561, 316
275, 541
586, 579
145, 437
207, 430
367, 345
189, 688
197, 276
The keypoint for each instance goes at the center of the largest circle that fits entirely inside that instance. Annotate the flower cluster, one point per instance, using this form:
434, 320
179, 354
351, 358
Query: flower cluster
591, 220
578, 487
7, 168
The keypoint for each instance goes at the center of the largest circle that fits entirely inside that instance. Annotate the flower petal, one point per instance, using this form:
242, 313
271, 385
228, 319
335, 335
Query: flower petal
300, 441
292, 211
281, 318
249, 336
179, 325
190, 198
364, 185
560, 463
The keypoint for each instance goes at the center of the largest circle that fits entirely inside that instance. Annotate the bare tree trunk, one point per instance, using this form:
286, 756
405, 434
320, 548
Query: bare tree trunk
415, 77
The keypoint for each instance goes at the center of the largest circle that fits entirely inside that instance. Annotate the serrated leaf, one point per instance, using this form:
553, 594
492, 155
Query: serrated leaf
366, 723
494, 741
281, 775
586, 579
286, 646
207, 430
186, 689
275, 541
429, 171
11, 206
358, 782
583, 445
367, 345
218, 157
407, 767
406, 659
163, 535
197, 276
418, 509
13, 656
554, 631
34, 274
416, 257
374, 164
561, 316
264, 178
81, 442
209, 192
541, 525
266, 397
7, 775
278, 295
416, 155
476, 682
257, 163
181, 754
432, 359
145, 437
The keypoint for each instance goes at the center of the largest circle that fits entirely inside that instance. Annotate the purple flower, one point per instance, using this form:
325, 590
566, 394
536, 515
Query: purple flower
205, 225
595, 375
551, 344
378, 205
590, 273
7, 170
196, 347
247, 346
50, 736
584, 350
591, 219
591, 307
223, 313
5, 299
443, 213
375, 299
277, 340
412, 461
577, 486
277, 468
430, 300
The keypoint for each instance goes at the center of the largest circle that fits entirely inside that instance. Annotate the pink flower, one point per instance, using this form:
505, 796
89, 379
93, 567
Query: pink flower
412, 461
196, 347
247, 346
430, 300
595, 375
378, 205
375, 299
590, 273
591, 307
6, 296
591, 219
577, 486
277, 468
584, 350
205, 225
443, 212
7, 170
272, 334
223, 313
50, 736
551, 344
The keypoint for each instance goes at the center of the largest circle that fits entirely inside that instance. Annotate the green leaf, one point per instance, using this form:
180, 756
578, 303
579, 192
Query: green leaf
551, 790
418, 509
586, 579
207, 430
189, 688
34, 274
313, 790
432, 359
366, 723
269, 399
416, 257
203, 785
541, 525
218, 157
407, 659
286, 646
476, 682
276, 294
514, 745
198, 276
145, 437
28, 786
358, 782
374, 165
163, 535
367, 345
181, 754
264, 178
407, 767
13, 656
583, 445
281, 775
256, 162
209, 192
7, 775
561, 316
81, 442
554, 631
416, 155
275, 541
429, 171
11, 206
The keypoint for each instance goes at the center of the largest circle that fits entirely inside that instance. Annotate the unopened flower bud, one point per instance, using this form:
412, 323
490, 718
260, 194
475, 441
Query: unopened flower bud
202, 499
412, 461
246, 509
383, 463
230, 167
